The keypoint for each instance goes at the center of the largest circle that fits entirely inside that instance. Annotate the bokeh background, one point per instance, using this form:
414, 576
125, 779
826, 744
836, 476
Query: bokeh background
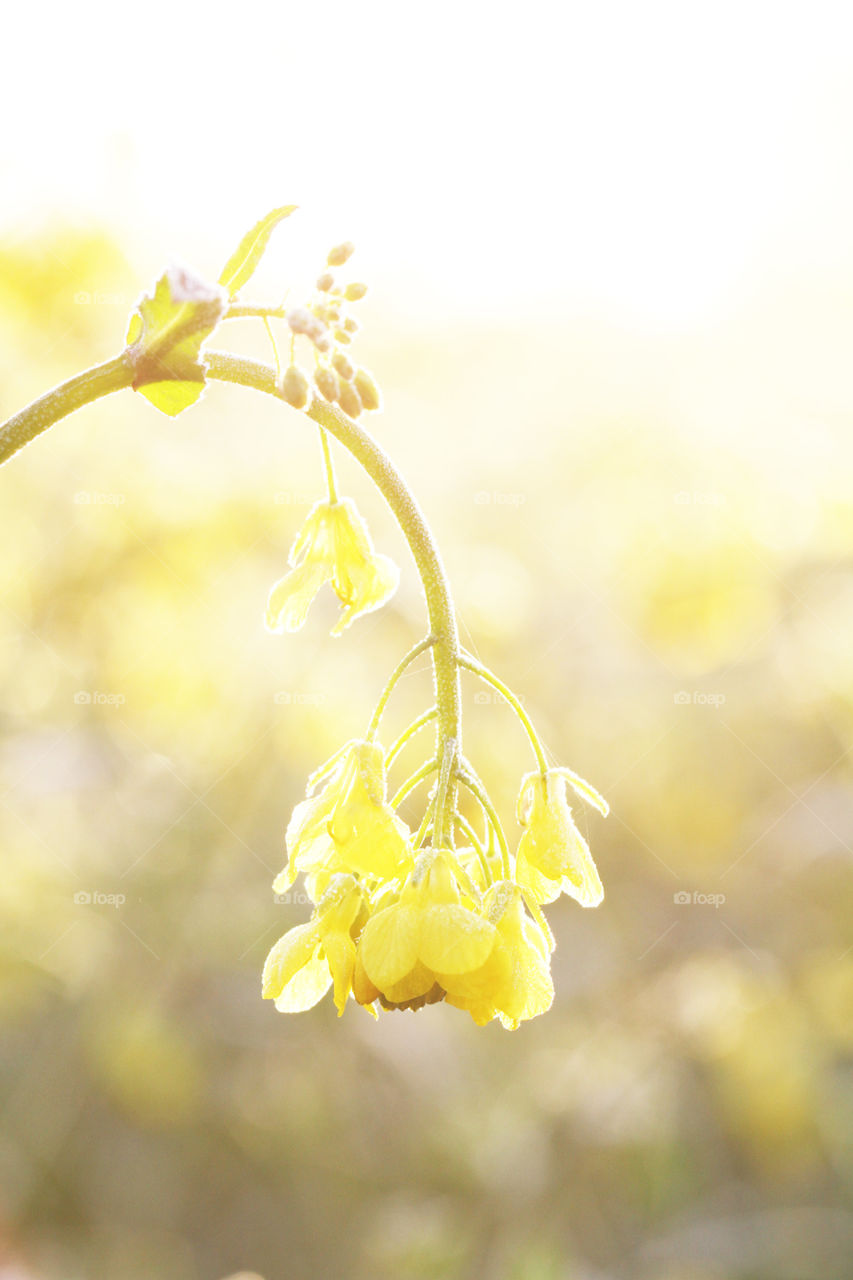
611, 306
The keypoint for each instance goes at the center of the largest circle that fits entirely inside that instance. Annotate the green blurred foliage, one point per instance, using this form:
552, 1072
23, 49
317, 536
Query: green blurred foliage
651, 539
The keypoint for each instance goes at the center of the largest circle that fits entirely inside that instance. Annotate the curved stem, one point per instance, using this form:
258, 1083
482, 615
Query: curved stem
392, 683
404, 737
410, 783
330, 468
62, 400
480, 792
240, 310
477, 845
383, 473
471, 664
119, 373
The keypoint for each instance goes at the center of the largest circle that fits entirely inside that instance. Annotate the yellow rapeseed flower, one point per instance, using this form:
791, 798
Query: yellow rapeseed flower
514, 983
312, 957
553, 857
332, 546
348, 827
428, 931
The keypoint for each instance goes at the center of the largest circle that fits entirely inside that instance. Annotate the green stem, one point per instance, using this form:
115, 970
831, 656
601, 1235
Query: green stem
404, 737
412, 782
383, 473
330, 468
465, 826
474, 787
119, 373
240, 310
392, 682
62, 400
471, 664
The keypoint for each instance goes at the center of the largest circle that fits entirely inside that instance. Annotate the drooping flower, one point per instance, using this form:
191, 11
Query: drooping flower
348, 827
312, 957
427, 935
553, 857
514, 983
333, 546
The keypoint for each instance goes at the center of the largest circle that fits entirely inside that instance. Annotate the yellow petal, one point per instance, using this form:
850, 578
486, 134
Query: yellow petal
340, 954
454, 940
416, 983
581, 880
292, 597
389, 945
289, 954
363, 989
306, 988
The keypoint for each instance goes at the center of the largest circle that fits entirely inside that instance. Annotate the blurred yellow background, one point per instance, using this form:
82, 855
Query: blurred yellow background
611, 306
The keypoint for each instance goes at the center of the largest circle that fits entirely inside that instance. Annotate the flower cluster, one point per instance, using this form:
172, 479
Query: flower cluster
330, 327
404, 918
397, 925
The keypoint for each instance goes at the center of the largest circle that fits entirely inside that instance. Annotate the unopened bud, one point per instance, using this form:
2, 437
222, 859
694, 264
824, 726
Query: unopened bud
351, 324
340, 254
354, 291
325, 282
368, 392
344, 366
326, 382
350, 400
294, 387
301, 320
341, 335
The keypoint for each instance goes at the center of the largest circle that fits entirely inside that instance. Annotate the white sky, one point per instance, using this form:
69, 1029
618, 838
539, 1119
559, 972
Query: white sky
636, 156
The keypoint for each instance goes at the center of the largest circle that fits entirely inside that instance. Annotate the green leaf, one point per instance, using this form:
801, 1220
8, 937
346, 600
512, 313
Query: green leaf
242, 263
165, 335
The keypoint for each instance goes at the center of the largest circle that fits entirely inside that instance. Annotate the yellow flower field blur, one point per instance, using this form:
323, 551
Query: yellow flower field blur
645, 509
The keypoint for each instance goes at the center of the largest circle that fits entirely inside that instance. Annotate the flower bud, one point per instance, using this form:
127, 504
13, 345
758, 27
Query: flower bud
326, 382
349, 400
340, 254
294, 387
351, 324
325, 282
341, 335
354, 291
344, 366
301, 320
368, 392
